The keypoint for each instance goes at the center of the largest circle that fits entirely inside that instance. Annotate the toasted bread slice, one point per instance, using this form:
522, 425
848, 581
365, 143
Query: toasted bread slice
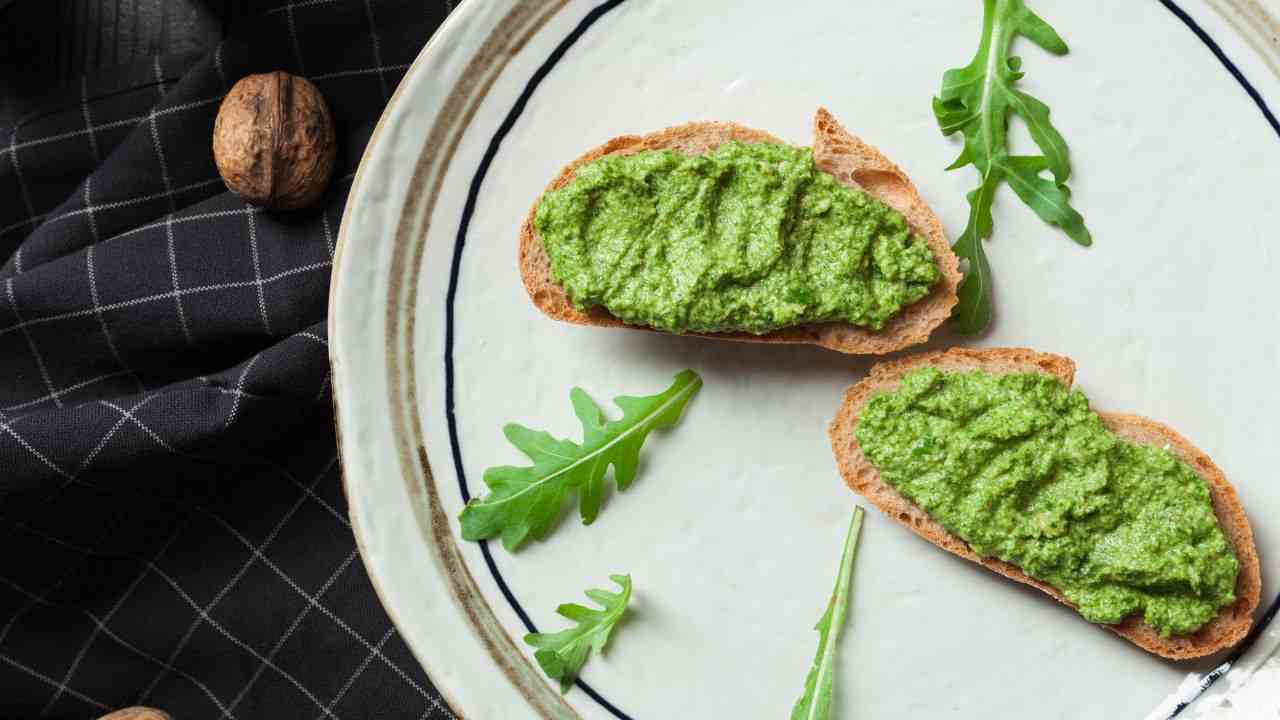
1225, 630
835, 151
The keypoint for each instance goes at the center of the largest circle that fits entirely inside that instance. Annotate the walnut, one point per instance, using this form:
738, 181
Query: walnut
273, 141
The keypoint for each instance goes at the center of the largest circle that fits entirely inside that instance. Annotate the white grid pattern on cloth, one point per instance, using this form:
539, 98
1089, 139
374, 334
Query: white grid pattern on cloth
88, 123
224, 390
315, 337
293, 36
257, 274
64, 391
128, 415
325, 710
377, 642
107, 437
176, 294
179, 219
324, 384
235, 402
363, 71
159, 146
31, 342
147, 565
110, 634
309, 267
368, 658
291, 6
90, 209
377, 47
69, 477
257, 554
202, 613
170, 194
100, 625
88, 204
328, 233
122, 122
22, 182
217, 64
7, 427
310, 493
33, 220
34, 600
186, 219
203, 616
41, 676
102, 321
173, 276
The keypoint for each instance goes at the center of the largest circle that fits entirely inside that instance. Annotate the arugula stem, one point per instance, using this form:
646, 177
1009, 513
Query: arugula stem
819, 685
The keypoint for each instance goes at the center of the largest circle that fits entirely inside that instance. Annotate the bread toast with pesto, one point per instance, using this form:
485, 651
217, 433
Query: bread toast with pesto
849, 160
1223, 631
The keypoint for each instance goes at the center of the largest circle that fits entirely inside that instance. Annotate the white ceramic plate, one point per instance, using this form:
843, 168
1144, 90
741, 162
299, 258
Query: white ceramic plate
732, 533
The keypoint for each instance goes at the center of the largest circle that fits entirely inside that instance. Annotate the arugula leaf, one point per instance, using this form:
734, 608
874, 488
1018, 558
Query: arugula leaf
526, 501
561, 655
815, 703
976, 101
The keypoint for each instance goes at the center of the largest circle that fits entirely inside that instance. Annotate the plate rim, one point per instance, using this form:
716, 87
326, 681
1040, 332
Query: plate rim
1239, 14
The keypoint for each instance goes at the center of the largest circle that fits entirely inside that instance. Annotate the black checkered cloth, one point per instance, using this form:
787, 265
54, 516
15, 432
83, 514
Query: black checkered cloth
173, 531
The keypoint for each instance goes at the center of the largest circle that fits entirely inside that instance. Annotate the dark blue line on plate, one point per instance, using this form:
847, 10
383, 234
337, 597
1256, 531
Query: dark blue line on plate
460, 244
454, 270
1217, 51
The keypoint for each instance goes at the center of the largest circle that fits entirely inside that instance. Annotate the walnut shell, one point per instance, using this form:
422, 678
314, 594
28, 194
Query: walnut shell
273, 141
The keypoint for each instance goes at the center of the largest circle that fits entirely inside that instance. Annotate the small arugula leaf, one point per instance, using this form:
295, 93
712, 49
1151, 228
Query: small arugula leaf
561, 655
976, 101
1045, 135
1041, 33
1049, 200
973, 312
819, 685
525, 502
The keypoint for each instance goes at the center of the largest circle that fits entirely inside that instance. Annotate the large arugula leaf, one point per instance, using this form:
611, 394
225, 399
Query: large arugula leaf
819, 686
562, 654
526, 501
976, 100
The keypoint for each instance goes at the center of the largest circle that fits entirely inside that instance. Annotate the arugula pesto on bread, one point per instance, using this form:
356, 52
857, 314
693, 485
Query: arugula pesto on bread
666, 273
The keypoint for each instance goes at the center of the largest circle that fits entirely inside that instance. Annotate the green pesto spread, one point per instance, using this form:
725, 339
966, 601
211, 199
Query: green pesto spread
1020, 468
744, 238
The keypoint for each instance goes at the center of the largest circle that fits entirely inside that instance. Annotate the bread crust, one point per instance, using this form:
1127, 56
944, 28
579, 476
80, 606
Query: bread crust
1225, 630
850, 160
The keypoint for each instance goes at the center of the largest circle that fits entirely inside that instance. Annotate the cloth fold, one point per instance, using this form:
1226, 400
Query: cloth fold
173, 530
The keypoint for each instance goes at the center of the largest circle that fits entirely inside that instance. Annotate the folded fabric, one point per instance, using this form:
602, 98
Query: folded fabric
173, 530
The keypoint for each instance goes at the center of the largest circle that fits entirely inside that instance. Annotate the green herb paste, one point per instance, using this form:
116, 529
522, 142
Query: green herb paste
1020, 468
744, 238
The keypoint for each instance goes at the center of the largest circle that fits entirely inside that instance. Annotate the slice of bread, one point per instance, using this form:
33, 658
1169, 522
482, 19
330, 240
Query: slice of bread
1223, 631
835, 151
